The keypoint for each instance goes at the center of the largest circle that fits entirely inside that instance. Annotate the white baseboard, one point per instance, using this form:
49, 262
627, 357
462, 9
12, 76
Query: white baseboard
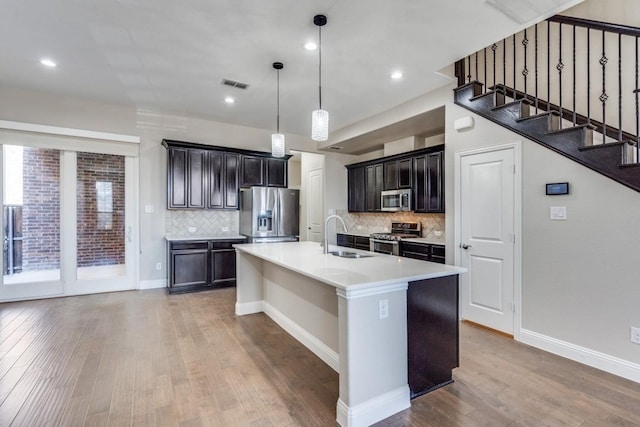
316, 346
373, 410
595, 359
152, 284
243, 308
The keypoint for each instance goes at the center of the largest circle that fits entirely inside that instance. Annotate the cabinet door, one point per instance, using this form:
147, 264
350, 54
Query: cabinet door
231, 184
177, 177
420, 184
404, 173
374, 184
189, 268
345, 240
276, 172
356, 189
223, 267
435, 182
216, 180
391, 175
196, 182
252, 171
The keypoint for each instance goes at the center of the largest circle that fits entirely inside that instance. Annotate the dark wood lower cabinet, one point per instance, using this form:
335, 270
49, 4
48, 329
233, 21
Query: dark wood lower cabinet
200, 265
353, 241
423, 251
432, 333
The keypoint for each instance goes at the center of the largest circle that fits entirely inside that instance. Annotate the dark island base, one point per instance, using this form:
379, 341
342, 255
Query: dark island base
197, 288
432, 333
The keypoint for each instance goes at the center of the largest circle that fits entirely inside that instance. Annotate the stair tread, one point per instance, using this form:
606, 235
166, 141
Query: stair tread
512, 103
553, 132
616, 144
466, 85
483, 95
539, 116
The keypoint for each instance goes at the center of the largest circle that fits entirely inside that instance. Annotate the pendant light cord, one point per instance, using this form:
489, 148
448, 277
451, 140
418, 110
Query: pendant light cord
278, 98
320, 65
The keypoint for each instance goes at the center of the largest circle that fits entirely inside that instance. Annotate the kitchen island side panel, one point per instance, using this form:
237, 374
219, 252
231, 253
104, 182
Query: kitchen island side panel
432, 333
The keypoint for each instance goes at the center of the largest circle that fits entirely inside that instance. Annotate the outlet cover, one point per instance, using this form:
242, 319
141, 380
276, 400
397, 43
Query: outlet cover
383, 308
635, 335
158, 266
191, 229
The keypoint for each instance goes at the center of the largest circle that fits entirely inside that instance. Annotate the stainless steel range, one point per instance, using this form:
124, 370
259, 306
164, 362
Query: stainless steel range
389, 243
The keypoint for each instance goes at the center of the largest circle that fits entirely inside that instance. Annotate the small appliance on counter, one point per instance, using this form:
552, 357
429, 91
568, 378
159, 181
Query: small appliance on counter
395, 200
389, 243
269, 214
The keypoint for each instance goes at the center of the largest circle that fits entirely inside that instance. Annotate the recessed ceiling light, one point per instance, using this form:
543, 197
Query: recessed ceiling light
48, 63
310, 46
396, 75
229, 100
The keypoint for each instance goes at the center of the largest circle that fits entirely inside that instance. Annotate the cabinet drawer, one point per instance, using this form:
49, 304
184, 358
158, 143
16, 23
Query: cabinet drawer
215, 245
416, 248
438, 259
181, 246
437, 250
360, 242
415, 255
345, 240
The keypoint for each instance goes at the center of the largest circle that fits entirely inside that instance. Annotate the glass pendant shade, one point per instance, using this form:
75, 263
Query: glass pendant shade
320, 125
277, 145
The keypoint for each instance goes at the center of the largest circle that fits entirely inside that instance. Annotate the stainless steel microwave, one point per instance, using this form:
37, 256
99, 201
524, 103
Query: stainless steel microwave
396, 200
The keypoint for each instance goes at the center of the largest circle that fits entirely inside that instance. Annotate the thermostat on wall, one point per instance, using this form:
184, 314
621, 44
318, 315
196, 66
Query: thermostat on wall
557, 188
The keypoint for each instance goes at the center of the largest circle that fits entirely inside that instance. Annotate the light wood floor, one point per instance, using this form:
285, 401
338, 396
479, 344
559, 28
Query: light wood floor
146, 358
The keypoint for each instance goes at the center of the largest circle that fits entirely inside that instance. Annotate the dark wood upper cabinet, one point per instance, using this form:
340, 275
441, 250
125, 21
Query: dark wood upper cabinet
356, 189
421, 171
276, 172
374, 178
186, 178
405, 169
223, 180
435, 182
232, 183
177, 177
252, 171
390, 175
207, 177
428, 172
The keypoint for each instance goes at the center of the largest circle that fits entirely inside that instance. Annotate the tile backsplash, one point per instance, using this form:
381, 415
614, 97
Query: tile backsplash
206, 222
367, 223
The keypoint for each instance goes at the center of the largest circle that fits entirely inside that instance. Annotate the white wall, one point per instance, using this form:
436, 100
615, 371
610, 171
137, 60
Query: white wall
50, 109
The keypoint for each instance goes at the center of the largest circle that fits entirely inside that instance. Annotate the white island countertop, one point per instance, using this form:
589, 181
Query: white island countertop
347, 273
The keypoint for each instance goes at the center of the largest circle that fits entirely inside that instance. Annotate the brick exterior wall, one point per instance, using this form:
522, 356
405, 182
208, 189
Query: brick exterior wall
96, 245
41, 209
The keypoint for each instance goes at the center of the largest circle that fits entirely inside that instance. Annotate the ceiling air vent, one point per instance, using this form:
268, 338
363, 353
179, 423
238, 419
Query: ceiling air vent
235, 83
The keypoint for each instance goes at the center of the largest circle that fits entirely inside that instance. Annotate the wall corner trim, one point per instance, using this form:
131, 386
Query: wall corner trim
605, 362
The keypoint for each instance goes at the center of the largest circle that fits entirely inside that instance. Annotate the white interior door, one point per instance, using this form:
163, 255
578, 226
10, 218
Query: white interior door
487, 233
314, 205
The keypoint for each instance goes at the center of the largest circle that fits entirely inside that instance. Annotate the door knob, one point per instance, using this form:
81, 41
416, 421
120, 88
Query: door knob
464, 246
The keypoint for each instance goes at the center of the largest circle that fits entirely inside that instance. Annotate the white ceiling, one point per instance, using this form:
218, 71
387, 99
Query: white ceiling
170, 56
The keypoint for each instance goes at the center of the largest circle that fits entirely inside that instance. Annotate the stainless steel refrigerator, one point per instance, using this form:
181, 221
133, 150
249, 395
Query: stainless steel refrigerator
269, 214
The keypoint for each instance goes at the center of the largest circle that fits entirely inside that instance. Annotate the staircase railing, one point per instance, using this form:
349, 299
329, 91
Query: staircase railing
583, 70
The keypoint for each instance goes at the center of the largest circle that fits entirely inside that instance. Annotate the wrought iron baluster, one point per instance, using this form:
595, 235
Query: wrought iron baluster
574, 75
603, 97
559, 67
477, 78
493, 48
525, 71
504, 65
548, 66
588, 76
514, 67
536, 65
469, 75
619, 87
486, 82
637, 159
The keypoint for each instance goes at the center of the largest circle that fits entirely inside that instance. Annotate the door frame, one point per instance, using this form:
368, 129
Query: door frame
516, 146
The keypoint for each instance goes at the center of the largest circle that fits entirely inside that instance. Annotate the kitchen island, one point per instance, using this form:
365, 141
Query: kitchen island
352, 313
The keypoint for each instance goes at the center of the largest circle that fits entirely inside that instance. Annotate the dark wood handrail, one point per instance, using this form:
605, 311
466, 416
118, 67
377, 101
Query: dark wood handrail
596, 25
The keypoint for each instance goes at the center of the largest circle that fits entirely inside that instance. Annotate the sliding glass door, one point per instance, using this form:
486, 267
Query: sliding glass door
68, 223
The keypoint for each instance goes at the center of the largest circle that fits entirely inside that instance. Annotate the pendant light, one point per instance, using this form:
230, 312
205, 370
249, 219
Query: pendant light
320, 117
277, 139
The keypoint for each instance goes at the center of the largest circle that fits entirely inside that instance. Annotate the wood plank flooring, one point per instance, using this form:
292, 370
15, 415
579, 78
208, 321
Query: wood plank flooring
150, 359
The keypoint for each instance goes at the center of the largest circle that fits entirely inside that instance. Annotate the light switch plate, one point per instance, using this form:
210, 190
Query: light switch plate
148, 208
558, 213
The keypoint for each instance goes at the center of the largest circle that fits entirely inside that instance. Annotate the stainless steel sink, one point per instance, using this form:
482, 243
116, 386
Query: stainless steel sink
349, 254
